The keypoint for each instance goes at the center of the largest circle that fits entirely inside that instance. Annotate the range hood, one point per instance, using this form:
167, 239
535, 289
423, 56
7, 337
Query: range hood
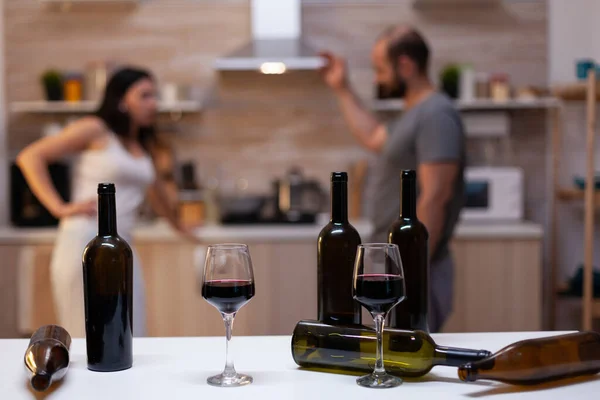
276, 45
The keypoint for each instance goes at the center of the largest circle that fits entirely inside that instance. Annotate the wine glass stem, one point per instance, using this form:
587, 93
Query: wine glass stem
379, 322
229, 368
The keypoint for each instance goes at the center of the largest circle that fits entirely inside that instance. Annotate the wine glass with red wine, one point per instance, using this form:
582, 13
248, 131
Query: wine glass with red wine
228, 285
378, 285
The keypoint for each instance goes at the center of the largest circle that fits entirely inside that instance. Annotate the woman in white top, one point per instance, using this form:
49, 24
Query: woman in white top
114, 145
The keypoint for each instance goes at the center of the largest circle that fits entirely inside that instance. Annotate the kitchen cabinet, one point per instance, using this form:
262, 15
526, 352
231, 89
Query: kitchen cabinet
285, 290
497, 280
497, 285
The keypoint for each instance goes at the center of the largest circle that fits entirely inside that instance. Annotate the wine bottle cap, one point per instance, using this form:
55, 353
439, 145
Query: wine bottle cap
106, 188
339, 177
409, 174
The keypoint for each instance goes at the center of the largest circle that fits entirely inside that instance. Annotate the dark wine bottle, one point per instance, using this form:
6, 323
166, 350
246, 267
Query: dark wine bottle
108, 291
47, 356
411, 237
344, 348
336, 253
534, 361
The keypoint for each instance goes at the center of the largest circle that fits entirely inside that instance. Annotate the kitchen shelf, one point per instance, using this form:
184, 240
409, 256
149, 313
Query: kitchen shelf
576, 194
575, 91
590, 92
479, 104
65, 107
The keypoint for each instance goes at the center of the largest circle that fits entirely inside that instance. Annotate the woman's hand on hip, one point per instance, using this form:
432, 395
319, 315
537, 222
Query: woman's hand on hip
87, 208
188, 232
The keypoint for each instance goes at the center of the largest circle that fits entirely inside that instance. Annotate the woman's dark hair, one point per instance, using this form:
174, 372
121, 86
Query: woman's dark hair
117, 120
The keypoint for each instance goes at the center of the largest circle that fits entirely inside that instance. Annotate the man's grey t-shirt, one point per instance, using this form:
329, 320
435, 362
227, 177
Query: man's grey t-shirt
431, 131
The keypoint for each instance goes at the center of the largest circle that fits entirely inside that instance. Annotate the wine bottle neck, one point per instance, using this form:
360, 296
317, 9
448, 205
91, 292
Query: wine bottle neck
408, 197
455, 357
339, 202
107, 215
41, 382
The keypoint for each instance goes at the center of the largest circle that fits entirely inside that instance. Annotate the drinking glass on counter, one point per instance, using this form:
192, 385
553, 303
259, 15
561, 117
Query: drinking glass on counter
378, 285
228, 285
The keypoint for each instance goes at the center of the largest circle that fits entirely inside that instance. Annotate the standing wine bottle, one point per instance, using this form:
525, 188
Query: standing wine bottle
352, 348
336, 253
411, 237
534, 361
47, 356
108, 291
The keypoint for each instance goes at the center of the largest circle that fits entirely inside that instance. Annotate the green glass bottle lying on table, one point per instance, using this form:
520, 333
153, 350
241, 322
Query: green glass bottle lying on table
534, 361
351, 348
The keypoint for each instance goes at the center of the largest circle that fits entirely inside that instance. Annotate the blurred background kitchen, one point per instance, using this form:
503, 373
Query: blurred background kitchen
249, 139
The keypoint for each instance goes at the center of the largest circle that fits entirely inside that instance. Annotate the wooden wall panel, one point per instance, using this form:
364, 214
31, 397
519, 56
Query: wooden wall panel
498, 286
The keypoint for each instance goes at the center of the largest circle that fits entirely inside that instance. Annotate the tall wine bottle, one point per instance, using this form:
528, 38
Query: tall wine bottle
340, 348
411, 237
336, 253
108, 291
534, 361
47, 356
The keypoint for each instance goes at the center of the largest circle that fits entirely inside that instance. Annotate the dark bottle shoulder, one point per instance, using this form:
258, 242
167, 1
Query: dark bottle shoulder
108, 243
338, 230
406, 226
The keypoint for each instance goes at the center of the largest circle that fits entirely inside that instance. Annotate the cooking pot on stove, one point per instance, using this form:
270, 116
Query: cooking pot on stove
297, 197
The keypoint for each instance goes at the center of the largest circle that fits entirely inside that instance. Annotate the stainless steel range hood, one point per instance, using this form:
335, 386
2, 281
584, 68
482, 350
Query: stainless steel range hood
276, 45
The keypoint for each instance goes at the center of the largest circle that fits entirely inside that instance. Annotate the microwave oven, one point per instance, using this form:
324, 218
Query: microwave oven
25, 208
493, 194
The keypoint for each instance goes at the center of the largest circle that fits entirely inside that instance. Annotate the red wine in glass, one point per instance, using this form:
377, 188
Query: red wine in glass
378, 285
228, 295
379, 293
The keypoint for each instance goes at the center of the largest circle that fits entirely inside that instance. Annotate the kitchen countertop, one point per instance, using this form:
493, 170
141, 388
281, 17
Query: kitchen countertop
177, 368
160, 231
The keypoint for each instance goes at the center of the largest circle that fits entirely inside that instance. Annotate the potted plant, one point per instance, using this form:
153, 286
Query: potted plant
450, 78
53, 85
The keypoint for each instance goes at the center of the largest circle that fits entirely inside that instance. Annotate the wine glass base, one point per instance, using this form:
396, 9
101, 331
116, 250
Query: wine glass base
379, 381
229, 381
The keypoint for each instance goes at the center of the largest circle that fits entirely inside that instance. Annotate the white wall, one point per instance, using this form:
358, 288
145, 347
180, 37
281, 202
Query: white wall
574, 33
596, 34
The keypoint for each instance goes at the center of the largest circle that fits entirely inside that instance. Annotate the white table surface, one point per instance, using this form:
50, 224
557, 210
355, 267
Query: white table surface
177, 368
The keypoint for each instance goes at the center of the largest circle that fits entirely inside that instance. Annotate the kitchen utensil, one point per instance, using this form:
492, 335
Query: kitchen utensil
297, 196
51, 129
467, 83
73, 87
580, 181
235, 209
575, 284
358, 177
500, 87
96, 76
583, 66
482, 85
171, 93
